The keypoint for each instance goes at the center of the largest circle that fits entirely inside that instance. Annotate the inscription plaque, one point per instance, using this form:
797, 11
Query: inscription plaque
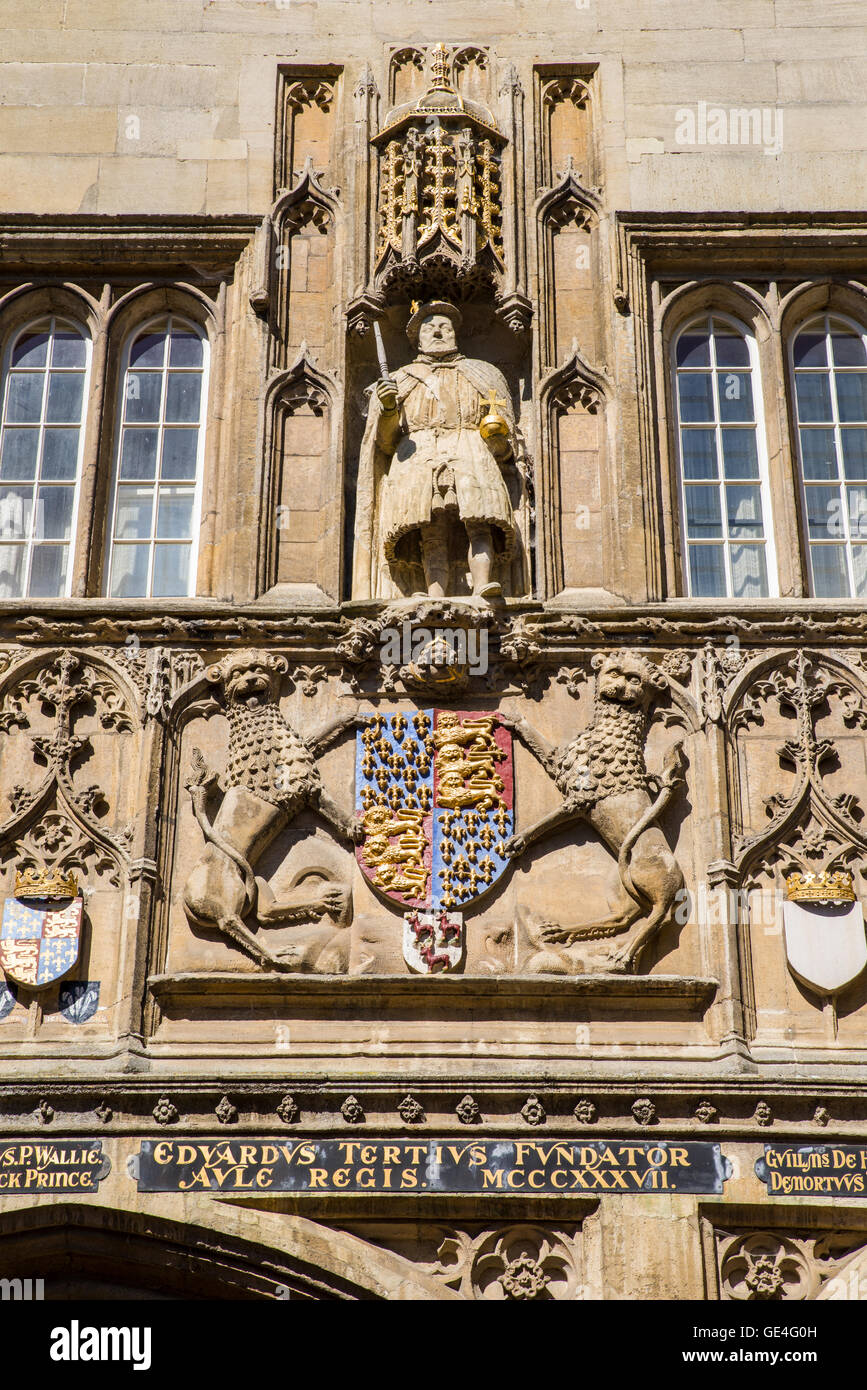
65, 1166
822, 1170
438, 1165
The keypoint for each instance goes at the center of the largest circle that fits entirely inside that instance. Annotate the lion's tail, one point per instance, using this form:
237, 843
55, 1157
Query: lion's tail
672, 776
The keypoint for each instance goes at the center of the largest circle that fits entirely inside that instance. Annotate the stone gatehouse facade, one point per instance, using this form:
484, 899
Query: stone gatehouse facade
433, 649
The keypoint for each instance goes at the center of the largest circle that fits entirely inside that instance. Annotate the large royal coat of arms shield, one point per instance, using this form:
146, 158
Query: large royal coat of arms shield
39, 942
435, 790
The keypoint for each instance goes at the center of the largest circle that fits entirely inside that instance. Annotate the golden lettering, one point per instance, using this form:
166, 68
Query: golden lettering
199, 1178
630, 1152
840, 1159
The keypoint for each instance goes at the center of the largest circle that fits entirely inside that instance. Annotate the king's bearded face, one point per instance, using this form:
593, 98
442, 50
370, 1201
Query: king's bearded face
436, 335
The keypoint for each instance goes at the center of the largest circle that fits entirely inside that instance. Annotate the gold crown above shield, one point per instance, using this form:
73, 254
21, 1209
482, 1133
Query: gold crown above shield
36, 883
825, 887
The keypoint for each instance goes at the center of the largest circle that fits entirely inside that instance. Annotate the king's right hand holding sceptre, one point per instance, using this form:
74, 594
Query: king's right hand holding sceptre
386, 389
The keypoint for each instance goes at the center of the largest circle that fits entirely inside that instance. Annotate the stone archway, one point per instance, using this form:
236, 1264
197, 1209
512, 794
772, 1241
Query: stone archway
196, 1248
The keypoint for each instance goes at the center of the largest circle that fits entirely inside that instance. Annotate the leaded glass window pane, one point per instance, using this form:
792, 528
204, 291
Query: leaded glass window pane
723, 487
44, 391
829, 362
154, 521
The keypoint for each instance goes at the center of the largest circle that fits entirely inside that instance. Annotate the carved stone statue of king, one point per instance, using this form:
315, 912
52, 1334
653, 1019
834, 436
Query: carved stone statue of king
432, 504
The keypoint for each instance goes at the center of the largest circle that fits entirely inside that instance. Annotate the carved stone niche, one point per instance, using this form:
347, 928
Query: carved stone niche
566, 128
301, 278
306, 119
440, 209
484, 337
300, 552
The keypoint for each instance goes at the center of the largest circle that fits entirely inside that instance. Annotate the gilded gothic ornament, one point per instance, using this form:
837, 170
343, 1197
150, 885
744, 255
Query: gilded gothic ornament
440, 188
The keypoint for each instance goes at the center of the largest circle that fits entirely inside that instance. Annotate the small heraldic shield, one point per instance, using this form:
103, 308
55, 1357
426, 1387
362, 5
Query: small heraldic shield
40, 937
433, 941
826, 945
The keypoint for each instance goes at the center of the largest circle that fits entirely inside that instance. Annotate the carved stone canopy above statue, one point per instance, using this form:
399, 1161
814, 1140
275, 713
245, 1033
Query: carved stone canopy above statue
440, 195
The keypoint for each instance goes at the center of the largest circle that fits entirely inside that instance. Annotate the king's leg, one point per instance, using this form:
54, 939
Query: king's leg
481, 559
435, 557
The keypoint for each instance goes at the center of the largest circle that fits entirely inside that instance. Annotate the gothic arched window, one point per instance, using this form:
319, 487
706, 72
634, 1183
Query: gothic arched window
725, 508
44, 391
829, 365
155, 503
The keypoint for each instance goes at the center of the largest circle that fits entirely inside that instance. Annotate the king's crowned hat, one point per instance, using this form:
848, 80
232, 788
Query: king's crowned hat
434, 306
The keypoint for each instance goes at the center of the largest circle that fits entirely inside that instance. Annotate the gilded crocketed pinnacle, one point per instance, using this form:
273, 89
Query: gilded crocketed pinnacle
440, 69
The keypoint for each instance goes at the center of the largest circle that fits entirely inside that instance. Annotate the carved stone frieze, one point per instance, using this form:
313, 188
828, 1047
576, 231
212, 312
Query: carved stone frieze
774, 1266
319, 1108
519, 1263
